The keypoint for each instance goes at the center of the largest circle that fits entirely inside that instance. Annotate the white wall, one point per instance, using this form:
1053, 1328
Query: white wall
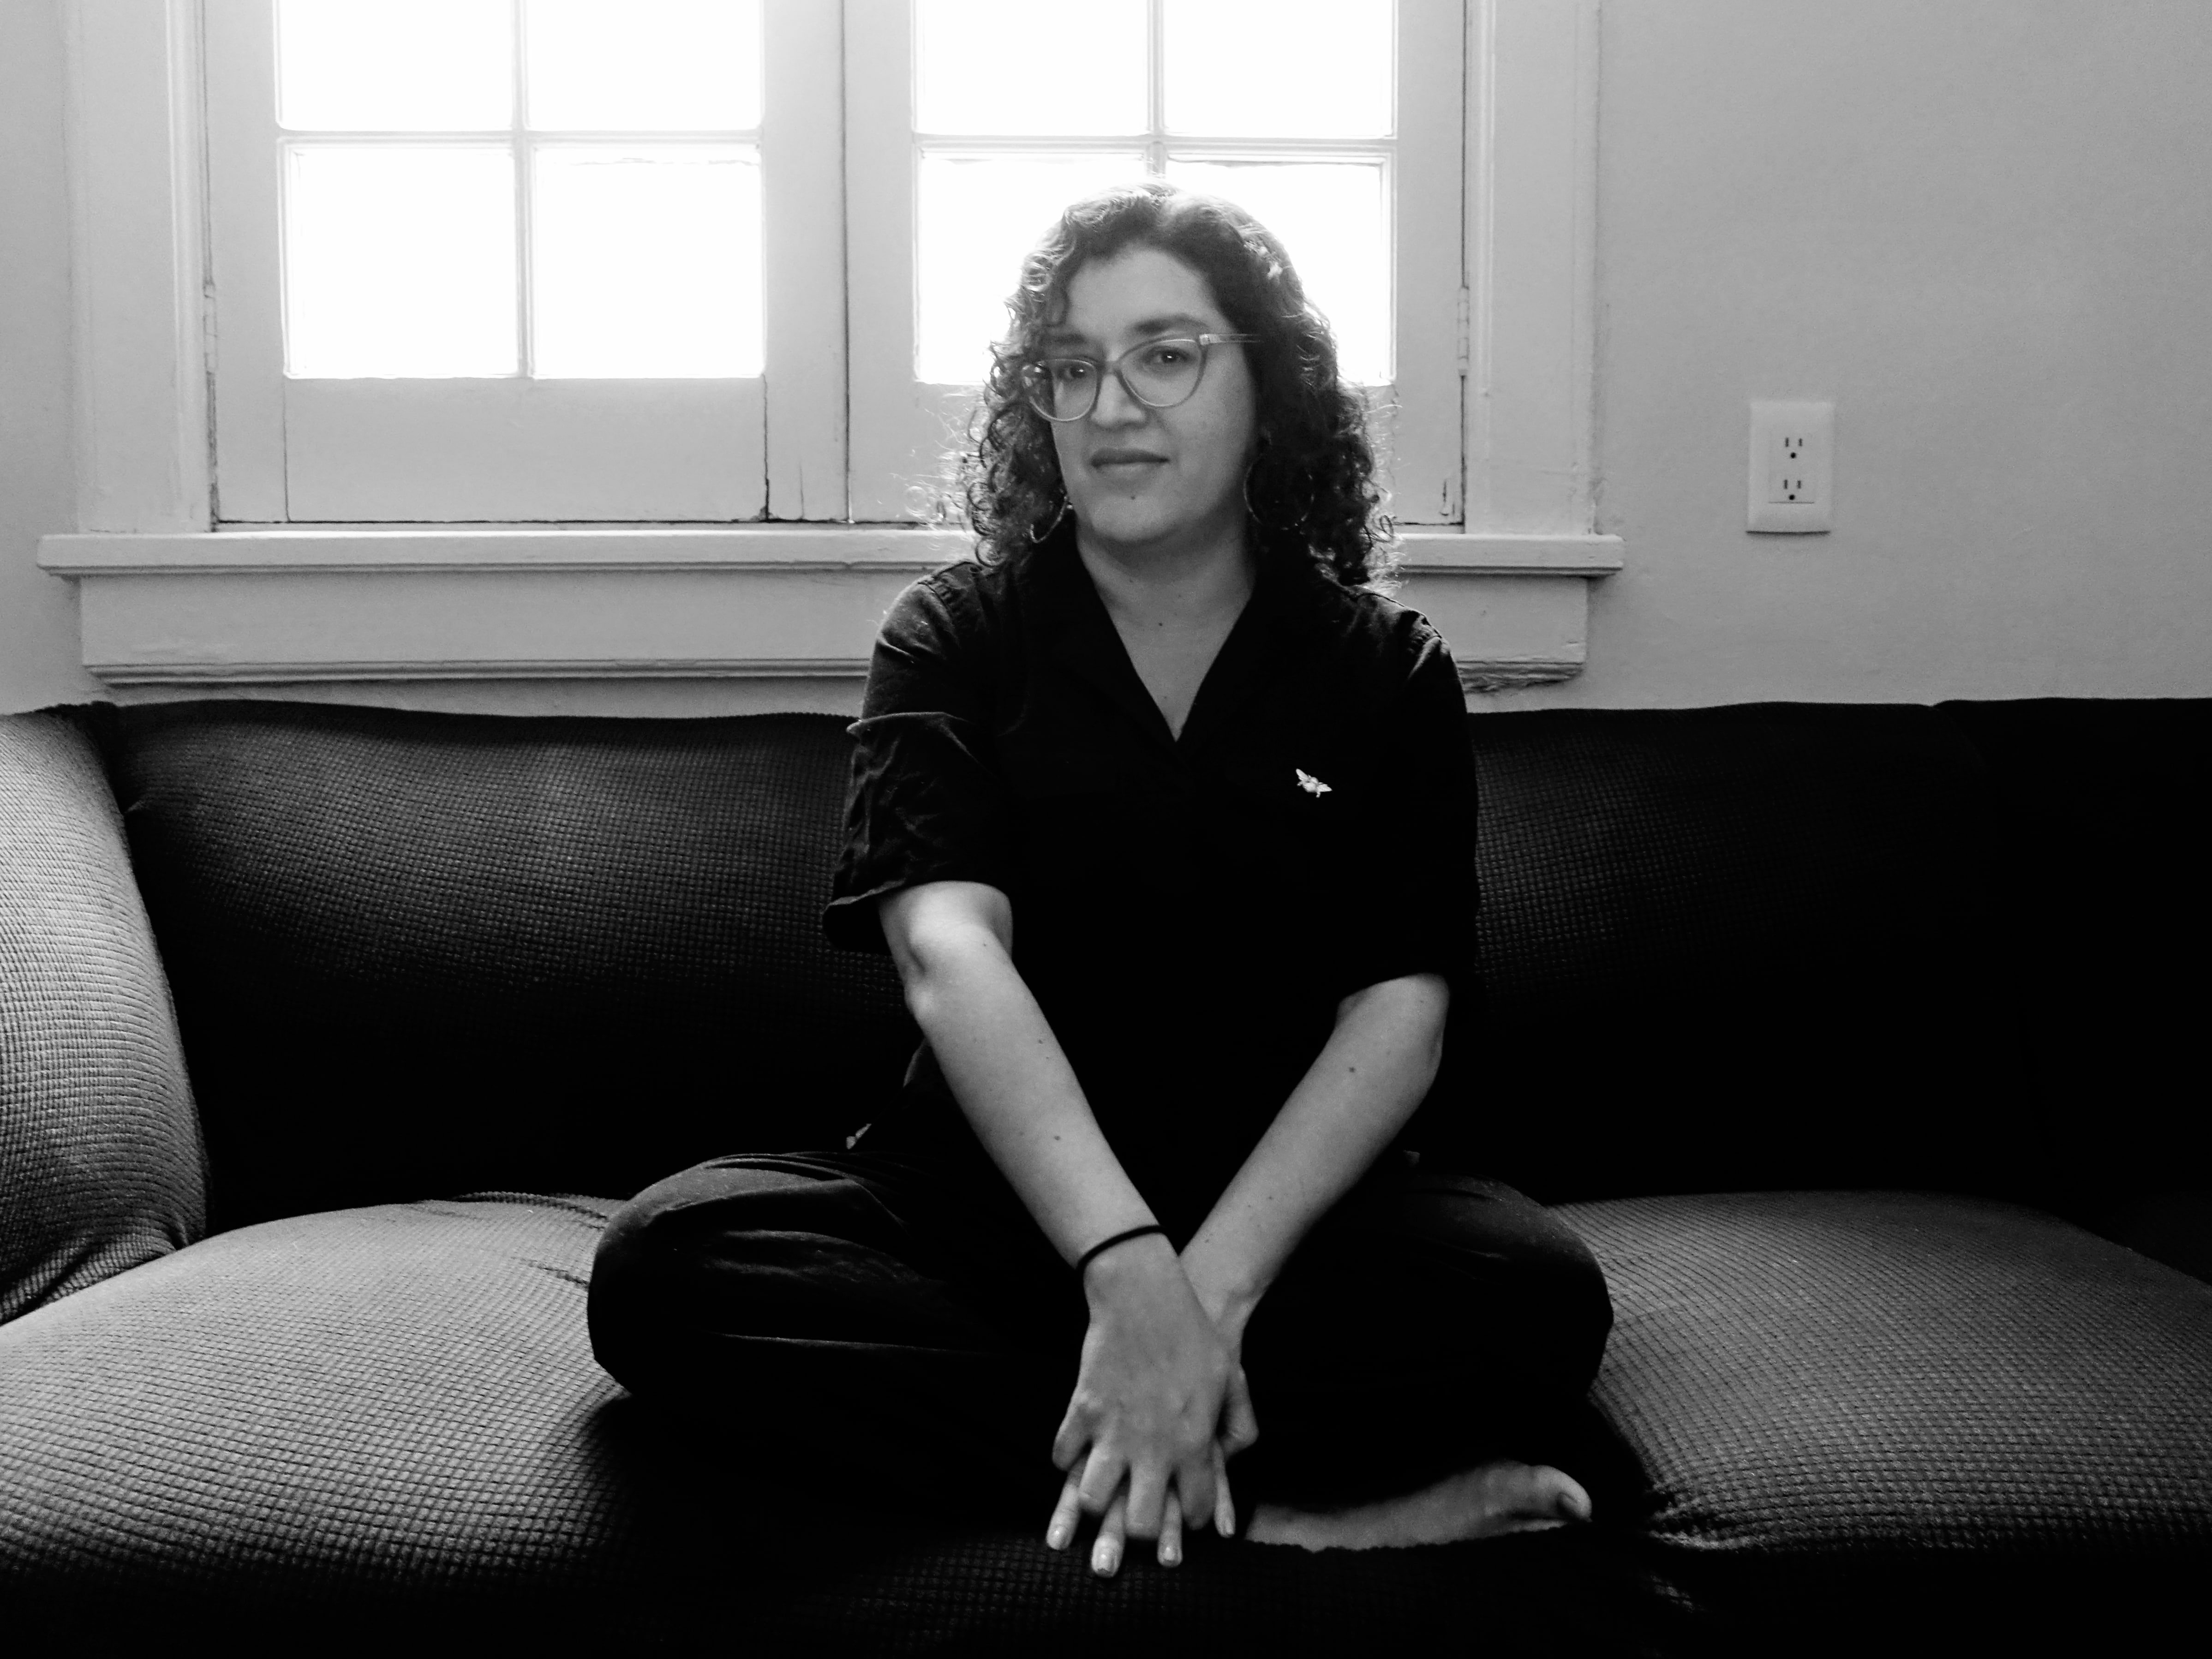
1984, 229
1981, 226
38, 487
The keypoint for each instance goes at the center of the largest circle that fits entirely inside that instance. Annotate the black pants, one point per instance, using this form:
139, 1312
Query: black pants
858, 1311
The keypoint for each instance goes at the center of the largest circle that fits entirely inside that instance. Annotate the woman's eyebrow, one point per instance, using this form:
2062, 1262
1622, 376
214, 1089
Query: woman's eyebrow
1182, 322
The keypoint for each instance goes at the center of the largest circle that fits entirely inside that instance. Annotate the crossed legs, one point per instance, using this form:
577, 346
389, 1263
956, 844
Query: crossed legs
1408, 1368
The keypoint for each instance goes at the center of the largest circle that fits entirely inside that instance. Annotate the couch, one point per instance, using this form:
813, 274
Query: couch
1860, 1042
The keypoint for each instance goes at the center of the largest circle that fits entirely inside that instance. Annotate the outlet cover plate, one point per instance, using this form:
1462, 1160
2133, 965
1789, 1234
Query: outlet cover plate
1792, 474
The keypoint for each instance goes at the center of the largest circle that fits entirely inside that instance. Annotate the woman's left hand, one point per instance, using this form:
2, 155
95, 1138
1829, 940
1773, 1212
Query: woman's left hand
1139, 1440
1239, 1427
1236, 1427
1239, 1430
1211, 1281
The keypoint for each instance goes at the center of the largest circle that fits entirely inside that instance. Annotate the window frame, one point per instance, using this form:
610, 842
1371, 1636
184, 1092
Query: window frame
521, 449
171, 596
901, 424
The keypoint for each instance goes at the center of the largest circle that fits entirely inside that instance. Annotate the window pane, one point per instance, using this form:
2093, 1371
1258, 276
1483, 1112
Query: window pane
979, 215
398, 260
644, 65
647, 261
394, 66
1283, 68
1020, 67
1329, 217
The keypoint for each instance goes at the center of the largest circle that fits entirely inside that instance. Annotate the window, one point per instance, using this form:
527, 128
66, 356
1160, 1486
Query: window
1336, 122
510, 260
494, 259
576, 505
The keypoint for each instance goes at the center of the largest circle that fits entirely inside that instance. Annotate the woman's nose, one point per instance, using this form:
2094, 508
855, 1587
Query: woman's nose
1116, 406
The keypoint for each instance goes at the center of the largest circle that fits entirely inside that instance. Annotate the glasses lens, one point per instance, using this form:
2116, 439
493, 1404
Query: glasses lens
1163, 373
1062, 388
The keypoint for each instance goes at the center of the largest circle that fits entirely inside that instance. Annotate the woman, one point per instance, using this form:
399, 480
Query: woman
1168, 823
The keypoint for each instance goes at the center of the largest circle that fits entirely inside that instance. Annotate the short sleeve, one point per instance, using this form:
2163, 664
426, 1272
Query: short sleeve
927, 801
1418, 917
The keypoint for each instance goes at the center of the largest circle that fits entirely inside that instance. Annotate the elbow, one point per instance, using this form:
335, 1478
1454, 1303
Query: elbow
937, 932
1413, 1009
1431, 1058
925, 998
942, 967
1425, 1047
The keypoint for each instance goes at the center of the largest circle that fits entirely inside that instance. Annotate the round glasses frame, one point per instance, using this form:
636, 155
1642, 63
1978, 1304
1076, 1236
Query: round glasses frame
1036, 377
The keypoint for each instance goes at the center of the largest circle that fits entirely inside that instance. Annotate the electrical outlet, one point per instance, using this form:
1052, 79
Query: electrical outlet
1792, 474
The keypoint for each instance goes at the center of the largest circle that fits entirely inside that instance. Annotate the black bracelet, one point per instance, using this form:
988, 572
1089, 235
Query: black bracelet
1106, 1244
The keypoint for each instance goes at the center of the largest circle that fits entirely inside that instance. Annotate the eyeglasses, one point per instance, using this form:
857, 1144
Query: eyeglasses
1157, 373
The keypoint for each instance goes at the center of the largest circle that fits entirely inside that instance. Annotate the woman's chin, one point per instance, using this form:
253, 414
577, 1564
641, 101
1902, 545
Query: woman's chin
1138, 526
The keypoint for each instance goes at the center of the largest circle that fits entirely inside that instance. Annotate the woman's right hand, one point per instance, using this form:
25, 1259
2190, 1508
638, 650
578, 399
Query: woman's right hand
1140, 1443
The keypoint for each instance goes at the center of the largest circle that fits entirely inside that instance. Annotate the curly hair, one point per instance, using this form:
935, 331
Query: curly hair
1311, 488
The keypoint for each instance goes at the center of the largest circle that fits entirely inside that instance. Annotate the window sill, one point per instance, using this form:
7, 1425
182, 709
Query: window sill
766, 602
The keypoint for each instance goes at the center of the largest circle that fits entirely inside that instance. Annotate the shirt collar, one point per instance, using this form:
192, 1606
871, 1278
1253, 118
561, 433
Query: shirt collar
1292, 599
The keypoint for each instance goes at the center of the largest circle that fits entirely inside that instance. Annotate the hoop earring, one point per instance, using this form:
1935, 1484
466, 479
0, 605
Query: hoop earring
1305, 512
1038, 538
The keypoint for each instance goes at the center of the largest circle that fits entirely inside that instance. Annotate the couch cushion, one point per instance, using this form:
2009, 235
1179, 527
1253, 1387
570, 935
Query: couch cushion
380, 1397
100, 1165
379, 1426
1842, 1400
1732, 948
2106, 802
420, 954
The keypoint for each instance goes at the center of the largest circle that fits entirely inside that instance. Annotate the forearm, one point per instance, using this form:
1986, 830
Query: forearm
1359, 1091
1009, 1074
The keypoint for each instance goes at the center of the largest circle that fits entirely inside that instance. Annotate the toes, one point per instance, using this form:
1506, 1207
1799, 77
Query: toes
1552, 1495
1525, 1497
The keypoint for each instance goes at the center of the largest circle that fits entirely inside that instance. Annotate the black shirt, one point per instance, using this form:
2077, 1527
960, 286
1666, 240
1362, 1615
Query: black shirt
1188, 912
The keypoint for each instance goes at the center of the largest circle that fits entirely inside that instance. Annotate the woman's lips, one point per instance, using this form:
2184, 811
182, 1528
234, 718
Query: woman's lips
1116, 461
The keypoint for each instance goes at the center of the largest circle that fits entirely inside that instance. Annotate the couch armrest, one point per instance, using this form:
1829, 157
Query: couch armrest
101, 1166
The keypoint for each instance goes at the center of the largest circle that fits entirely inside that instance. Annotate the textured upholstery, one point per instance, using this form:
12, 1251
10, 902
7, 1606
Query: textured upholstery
384, 1396
100, 1164
1741, 947
418, 954
1822, 1388
531, 951
2105, 804
385, 1423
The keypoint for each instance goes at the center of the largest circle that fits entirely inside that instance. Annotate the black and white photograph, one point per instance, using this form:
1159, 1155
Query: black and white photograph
1069, 828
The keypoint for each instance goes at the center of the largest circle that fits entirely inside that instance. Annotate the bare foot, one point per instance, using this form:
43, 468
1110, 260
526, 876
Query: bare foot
1477, 1503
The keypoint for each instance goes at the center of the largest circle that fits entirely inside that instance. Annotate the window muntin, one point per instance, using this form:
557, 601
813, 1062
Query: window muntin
977, 214
546, 187
837, 424
1016, 116
903, 419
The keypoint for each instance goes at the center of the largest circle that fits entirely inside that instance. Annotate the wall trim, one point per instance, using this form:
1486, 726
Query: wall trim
1532, 132
137, 173
810, 547
517, 668
767, 602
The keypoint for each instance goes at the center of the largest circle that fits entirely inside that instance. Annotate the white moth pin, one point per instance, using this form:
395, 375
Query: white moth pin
1310, 783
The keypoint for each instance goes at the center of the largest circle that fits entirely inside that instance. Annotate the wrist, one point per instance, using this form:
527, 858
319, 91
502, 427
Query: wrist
1228, 1297
1114, 1241
1126, 1263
